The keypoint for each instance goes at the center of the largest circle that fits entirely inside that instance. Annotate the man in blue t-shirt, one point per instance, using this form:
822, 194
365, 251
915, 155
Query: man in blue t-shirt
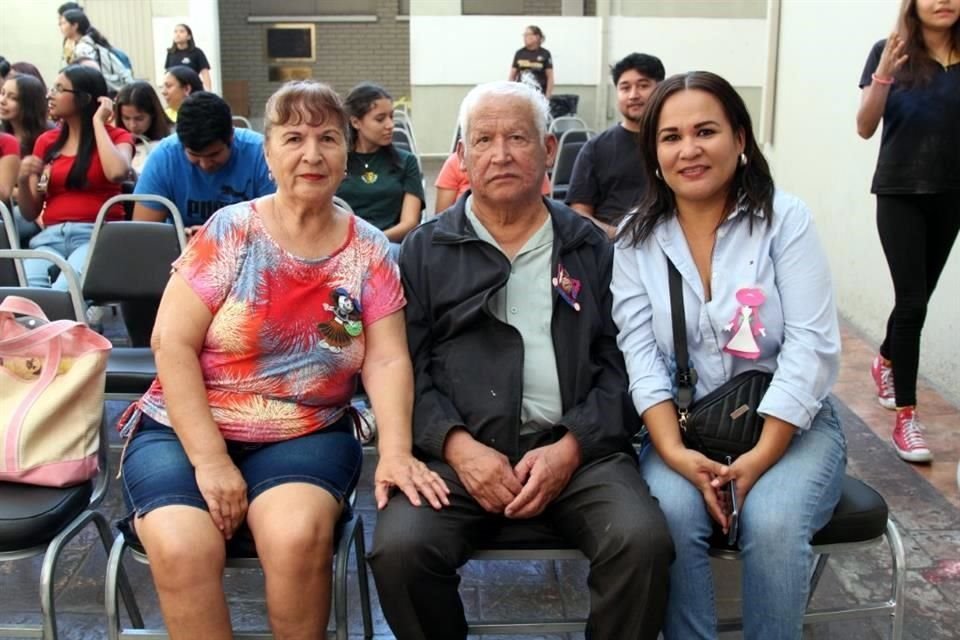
206, 166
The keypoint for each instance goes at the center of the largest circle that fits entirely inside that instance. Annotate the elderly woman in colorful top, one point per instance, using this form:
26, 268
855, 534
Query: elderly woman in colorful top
757, 294
274, 308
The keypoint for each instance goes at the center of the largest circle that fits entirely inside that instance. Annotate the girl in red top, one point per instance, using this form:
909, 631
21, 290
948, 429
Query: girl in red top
74, 169
23, 110
23, 115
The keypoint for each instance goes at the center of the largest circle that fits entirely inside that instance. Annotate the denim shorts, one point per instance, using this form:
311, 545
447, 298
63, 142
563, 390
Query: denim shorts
157, 473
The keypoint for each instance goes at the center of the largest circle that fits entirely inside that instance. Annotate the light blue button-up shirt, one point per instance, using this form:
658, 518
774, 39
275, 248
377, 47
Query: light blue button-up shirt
800, 341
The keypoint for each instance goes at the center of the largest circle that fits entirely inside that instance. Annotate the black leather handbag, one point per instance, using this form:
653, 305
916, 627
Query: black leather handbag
724, 423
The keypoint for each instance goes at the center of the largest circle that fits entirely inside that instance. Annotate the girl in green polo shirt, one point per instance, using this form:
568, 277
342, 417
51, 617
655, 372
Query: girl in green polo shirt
383, 184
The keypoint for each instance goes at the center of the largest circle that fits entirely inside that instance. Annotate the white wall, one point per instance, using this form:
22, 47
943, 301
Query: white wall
581, 50
817, 154
733, 48
204, 22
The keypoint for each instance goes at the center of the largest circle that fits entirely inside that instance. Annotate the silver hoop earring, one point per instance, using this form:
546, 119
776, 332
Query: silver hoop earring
743, 159
656, 172
270, 176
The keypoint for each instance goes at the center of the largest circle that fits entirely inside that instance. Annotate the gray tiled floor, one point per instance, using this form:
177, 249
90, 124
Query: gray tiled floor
546, 589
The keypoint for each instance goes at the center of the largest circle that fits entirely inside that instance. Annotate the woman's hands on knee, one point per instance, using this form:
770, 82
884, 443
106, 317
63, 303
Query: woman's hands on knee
744, 473
412, 477
225, 492
701, 472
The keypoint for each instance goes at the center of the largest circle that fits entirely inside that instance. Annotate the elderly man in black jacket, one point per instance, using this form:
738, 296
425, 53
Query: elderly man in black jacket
521, 393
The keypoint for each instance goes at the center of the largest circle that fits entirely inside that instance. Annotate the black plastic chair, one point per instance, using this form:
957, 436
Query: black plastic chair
565, 123
860, 519
11, 271
242, 554
129, 263
563, 169
403, 139
43, 520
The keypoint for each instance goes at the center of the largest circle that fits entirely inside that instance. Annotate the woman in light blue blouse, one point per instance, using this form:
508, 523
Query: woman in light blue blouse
757, 295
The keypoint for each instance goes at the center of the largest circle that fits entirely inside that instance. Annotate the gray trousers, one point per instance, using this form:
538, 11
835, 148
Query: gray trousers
606, 511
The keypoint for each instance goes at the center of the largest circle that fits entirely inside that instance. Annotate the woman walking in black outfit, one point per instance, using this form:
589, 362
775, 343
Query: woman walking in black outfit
912, 82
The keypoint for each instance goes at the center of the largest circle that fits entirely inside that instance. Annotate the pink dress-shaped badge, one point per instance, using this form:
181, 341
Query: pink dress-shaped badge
746, 324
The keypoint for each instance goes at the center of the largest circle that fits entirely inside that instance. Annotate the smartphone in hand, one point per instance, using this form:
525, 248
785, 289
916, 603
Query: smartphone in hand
733, 519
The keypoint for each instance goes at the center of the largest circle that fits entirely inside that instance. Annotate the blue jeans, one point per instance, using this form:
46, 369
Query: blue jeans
789, 503
25, 228
69, 240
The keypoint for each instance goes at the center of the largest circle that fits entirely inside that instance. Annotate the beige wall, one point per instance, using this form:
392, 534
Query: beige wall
34, 36
817, 155
29, 32
127, 26
436, 107
690, 8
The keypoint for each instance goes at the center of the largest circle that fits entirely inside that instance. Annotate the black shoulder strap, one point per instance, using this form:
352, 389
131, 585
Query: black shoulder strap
686, 375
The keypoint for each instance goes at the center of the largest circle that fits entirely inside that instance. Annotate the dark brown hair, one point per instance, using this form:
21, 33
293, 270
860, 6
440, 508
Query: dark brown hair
142, 96
32, 97
191, 45
753, 182
88, 87
358, 103
920, 67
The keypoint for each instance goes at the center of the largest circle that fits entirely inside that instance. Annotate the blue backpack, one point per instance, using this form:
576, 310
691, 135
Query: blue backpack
124, 58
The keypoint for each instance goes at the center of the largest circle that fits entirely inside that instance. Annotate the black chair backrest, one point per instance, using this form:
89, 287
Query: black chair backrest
131, 261
8, 240
402, 137
456, 138
58, 305
574, 135
8, 269
566, 156
564, 123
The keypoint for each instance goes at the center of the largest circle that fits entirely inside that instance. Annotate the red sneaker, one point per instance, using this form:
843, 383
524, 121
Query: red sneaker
882, 374
908, 437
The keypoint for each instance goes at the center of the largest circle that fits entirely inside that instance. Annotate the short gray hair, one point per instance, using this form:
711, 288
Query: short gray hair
539, 105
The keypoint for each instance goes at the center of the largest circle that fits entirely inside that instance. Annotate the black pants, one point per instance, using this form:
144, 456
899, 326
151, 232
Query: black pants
139, 317
606, 511
917, 233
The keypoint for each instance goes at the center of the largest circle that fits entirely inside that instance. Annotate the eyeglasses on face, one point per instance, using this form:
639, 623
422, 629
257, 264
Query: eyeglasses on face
56, 90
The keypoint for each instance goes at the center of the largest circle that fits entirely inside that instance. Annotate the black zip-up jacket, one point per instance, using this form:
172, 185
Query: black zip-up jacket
468, 365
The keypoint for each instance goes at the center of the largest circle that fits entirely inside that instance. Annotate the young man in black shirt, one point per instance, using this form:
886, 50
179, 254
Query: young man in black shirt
608, 175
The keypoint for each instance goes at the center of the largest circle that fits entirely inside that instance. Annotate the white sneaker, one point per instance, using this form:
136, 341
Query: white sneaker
95, 318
